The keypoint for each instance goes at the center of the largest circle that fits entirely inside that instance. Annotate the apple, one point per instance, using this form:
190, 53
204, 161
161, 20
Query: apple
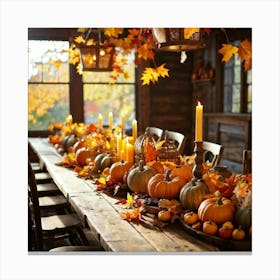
225, 232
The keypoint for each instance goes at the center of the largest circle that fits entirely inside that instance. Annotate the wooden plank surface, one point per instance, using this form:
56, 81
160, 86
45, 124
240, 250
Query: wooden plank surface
103, 216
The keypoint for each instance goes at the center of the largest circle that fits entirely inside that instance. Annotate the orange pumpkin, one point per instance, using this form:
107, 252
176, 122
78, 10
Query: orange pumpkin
118, 170
163, 186
84, 155
184, 171
219, 210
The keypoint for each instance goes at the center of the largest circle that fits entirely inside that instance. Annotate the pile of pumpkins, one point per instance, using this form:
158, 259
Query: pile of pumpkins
211, 213
203, 210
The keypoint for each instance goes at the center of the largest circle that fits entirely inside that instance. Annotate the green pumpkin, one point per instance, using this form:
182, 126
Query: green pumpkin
192, 194
138, 178
243, 217
102, 161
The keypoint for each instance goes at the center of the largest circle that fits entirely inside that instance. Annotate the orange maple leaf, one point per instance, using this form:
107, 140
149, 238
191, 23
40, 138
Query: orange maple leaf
150, 152
245, 54
145, 51
228, 51
188, 32
134, 215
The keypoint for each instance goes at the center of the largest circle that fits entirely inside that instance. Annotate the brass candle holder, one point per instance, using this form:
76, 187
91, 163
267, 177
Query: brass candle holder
198, 159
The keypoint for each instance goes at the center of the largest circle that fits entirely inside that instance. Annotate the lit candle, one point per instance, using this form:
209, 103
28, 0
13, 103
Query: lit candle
198, 122
124, 148
100, 121
129, 152
134, 130
111, 120
123, 121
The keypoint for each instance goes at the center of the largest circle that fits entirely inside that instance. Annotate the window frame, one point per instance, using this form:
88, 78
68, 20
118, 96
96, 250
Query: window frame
76, 100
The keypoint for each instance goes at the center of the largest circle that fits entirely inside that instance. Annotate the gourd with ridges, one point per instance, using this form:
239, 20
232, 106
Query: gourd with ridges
163, 186
217, 209
138, 178
192, 194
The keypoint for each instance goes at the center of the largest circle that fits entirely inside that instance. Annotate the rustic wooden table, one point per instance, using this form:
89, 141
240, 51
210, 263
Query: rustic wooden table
103, 216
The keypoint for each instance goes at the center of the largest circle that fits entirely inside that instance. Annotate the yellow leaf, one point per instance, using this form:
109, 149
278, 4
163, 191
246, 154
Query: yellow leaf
228, 51
113, 32
160, 143
79, 40
188, 32
129, 201
152, 74
162, 71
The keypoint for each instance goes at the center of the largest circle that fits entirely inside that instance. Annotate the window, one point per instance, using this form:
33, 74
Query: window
51, 98
237, 87
102, 97
48, 83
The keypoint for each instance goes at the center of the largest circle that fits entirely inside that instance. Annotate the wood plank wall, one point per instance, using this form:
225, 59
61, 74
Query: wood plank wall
168, 104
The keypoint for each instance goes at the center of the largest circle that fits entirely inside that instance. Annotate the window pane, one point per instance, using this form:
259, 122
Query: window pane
48, 61
228, 76
227, 99
47, 104
103, 99
236, 98
48, 87
237, 74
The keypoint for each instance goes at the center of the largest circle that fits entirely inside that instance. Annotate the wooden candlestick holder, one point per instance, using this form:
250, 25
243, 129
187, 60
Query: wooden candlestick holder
198, 159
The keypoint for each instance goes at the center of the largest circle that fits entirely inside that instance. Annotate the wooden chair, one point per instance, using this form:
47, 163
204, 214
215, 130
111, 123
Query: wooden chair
155, 132
247, 161
54, 226
178, 138
212, 153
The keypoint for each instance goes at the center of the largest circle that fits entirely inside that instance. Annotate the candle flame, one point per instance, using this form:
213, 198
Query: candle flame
198, 103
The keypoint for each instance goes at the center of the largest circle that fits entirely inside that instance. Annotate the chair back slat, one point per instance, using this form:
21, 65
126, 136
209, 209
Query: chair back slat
34, 207
212, 153
178, 138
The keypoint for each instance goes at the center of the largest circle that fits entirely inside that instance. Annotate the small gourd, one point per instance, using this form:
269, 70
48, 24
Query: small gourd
138, 178
192, 194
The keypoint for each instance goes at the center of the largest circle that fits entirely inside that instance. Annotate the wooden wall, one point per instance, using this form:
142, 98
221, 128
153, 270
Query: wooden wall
168, 104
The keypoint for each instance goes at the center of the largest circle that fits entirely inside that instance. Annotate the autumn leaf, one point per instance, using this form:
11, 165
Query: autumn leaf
134, 215
113, 32
79, 40
162, 71
129, 201
152, 74
227, 51
245, 54
151, 152
188, 32
145, 51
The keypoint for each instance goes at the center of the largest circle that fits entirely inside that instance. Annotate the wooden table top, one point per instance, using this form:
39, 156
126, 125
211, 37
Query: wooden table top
103, 216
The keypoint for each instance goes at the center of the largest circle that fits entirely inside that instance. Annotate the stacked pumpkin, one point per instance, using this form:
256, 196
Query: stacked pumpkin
227, 215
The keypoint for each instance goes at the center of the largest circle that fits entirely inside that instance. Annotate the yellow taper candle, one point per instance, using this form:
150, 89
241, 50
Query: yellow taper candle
111, 120
100, 121
134, 130
129, 152
198, 122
